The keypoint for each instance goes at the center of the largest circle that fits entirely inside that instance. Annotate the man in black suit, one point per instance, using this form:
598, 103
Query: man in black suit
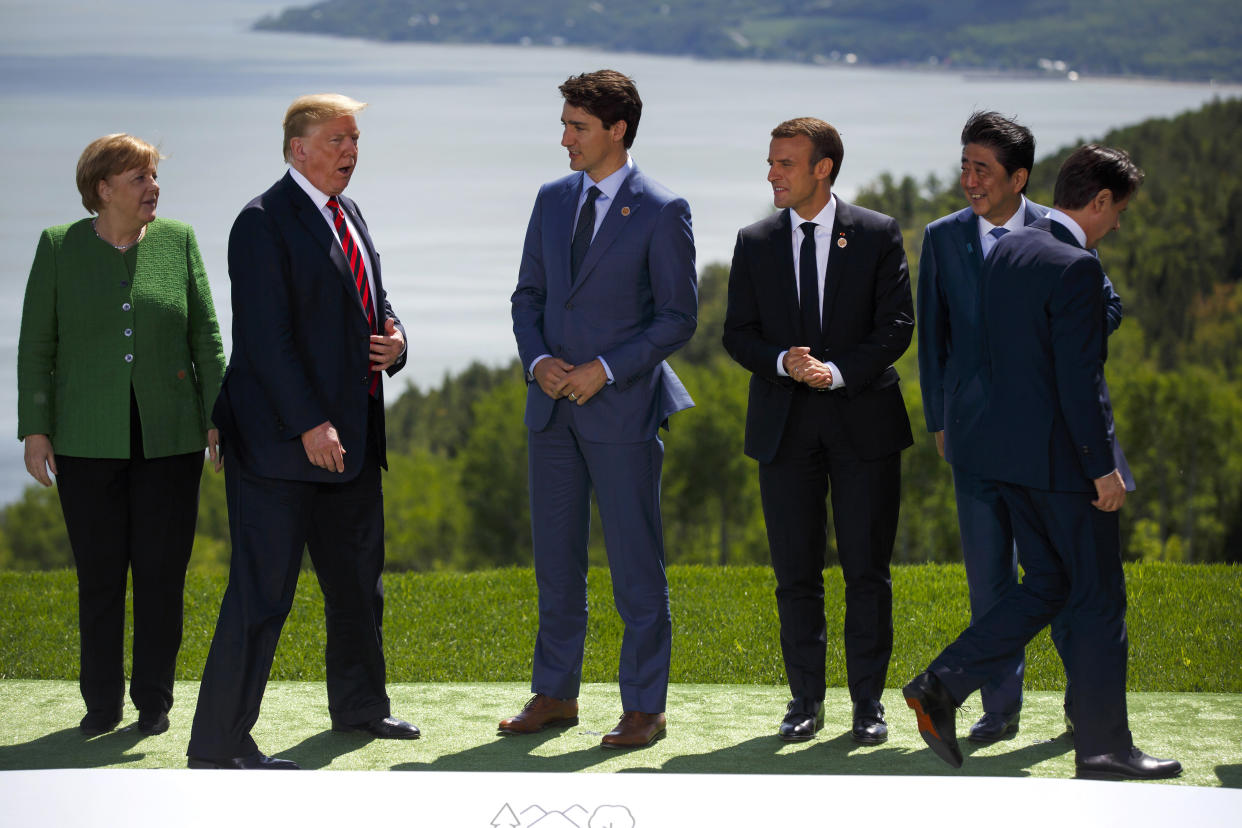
301, 418
1045, 436
819, 309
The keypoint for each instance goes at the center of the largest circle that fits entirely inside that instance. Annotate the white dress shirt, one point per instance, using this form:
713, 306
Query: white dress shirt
1069, 224
823, 246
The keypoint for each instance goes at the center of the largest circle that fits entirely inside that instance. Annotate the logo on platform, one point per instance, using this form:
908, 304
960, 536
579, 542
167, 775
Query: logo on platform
575, 816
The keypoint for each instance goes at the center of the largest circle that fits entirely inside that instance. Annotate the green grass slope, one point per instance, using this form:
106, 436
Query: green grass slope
480, 626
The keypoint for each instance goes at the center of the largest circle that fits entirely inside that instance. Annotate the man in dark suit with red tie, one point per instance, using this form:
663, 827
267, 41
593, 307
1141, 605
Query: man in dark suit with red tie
301, 418
819, 309
1045, 437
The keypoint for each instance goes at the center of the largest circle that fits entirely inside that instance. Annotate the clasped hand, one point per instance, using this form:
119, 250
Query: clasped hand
386, 348
802, 367
558, 378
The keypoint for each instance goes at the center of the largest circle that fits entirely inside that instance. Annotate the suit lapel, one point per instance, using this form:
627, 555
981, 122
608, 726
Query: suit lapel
560, 230
620, 212
324, 236
839, 255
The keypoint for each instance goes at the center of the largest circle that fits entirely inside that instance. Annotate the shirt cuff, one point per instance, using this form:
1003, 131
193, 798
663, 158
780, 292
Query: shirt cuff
780, 363
530, 372
838, 381
607, 370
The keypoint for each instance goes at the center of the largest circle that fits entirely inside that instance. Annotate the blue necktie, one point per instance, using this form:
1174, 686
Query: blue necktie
808, 286
996, 233
583, 233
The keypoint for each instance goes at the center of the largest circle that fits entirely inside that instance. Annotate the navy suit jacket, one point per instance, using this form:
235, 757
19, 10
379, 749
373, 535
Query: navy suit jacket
950, 331
301, 344
868, 321
634, 303
1046, 422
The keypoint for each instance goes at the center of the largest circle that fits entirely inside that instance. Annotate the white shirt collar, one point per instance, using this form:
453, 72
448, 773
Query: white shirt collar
1069, 224
824, 219
1015, 222
320, 199
609, 187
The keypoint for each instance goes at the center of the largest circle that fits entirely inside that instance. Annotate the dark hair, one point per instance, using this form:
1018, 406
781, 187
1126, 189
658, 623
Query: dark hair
1092, 168
1012, 143
609, 96
825, 141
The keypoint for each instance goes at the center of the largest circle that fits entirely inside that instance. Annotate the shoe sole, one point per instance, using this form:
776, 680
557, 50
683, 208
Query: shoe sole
652, 741
1108, 776
931, 736
558, 723
870, 742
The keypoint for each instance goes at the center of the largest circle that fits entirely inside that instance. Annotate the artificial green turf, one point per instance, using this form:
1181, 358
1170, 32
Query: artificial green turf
480, 626
719, 729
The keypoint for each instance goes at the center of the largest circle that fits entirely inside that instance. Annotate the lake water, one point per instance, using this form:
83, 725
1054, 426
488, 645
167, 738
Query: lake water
455, 143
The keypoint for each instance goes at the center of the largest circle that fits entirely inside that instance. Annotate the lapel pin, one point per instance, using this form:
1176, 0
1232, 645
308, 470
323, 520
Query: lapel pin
625, 211
841, 242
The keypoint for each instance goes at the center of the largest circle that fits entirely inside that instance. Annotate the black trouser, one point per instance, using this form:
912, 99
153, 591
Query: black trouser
271, 522
136, 515
816, 457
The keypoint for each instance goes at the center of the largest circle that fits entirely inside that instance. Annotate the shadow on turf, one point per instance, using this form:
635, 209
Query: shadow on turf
516, 753
1230, 776
68, 748
841, 755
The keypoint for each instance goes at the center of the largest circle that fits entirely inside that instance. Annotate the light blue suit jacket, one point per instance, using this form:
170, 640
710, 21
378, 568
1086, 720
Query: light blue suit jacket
634, 303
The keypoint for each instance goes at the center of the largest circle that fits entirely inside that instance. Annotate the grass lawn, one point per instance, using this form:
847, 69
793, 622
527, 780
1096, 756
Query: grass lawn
721, 729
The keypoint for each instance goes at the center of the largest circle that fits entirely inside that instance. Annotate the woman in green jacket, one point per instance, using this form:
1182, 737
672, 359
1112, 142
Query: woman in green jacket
118, 365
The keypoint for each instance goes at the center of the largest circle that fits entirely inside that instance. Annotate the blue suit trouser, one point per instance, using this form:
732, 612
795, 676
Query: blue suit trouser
564, 468
1071, 556
991, 560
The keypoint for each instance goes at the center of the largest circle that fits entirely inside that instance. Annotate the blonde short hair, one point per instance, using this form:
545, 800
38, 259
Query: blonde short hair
110, 155
310, 110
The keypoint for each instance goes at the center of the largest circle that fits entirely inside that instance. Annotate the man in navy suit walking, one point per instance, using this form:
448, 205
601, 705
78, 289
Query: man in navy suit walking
1045, 435
997, 156
301, 418
606, 291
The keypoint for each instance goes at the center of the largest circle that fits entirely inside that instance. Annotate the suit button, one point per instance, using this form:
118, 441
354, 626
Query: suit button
126, 306
569, 306
129, 357
129, 331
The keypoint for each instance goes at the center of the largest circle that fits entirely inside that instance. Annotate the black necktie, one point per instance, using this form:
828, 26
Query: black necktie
808, 286
583, 233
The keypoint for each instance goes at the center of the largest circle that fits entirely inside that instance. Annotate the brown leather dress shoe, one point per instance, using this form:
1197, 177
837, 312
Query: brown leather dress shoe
542, 712
635, 730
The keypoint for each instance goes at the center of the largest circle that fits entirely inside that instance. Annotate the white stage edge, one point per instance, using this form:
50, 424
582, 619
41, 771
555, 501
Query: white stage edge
309, 799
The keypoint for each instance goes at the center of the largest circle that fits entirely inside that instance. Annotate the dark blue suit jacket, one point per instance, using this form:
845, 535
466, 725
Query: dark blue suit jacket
634, 303
950, 333
301, 345
1046, 422
868, 317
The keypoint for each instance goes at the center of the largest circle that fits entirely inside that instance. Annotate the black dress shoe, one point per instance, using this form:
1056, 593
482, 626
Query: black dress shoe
1127, 764
869, 725
935, 710
255, 761
96, 722
385, 728
803, 719
992, 727
152, 724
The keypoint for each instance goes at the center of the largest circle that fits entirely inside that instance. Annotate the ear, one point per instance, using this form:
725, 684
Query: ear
296, 148
1019, 179
822, 169
617, 131
103, 190
1102, 200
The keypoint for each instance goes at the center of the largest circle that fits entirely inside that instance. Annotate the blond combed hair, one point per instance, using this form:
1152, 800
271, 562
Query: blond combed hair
310, 110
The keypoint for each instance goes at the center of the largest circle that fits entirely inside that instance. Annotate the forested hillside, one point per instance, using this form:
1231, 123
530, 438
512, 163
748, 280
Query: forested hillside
456, 494
1197, 40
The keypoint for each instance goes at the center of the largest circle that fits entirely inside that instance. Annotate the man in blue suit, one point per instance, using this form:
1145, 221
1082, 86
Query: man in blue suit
301, 418
606, 291
1045, 436
997, 156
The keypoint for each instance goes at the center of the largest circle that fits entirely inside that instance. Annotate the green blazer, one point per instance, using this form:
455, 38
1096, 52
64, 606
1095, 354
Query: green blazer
96, 321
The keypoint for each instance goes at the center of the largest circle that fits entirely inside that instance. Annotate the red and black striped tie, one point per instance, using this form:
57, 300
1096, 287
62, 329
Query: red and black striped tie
353, 254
